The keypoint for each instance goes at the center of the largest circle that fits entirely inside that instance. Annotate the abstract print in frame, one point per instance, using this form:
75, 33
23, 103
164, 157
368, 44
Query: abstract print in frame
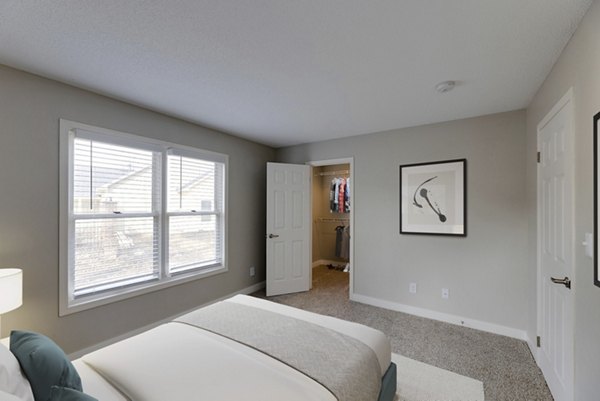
433, 198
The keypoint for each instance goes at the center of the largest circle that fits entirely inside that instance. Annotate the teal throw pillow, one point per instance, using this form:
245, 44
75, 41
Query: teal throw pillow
68, 394
44, 363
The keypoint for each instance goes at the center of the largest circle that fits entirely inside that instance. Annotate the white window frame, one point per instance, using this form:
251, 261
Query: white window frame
219, 182
68, 303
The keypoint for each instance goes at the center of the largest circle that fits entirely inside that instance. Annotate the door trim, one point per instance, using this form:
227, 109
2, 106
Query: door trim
566, 101
350, 161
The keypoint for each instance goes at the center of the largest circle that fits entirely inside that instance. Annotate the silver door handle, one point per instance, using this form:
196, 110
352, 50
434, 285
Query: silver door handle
566, 281
273, 236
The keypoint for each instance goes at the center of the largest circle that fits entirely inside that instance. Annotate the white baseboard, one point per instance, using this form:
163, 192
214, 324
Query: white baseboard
87, 350
443, 317
531, 343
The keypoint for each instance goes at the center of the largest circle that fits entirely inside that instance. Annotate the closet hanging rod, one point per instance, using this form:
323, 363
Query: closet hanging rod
329, 173
333, 220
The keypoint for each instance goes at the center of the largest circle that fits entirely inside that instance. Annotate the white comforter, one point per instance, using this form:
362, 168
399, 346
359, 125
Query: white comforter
178, 362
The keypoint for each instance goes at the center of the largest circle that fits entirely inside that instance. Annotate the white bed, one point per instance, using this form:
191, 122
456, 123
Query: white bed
175, 361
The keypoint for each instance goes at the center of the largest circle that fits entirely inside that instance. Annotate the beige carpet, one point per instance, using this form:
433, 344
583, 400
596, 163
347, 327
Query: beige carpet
504, 365
418, 381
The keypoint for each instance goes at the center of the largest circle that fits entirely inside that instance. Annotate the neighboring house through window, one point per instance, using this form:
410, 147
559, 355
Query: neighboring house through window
136, 215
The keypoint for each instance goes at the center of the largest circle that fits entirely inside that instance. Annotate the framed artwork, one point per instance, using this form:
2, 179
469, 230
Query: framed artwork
596, 198
433, 198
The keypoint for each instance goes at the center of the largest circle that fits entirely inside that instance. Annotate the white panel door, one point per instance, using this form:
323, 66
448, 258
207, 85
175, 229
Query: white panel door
288, 228
555, 249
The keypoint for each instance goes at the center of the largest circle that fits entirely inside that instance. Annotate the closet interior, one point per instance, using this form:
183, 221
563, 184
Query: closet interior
331, 207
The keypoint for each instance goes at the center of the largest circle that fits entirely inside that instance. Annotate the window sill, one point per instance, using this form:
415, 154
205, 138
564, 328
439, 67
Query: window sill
120, 294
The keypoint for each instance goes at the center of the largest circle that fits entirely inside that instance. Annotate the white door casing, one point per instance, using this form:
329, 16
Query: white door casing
288, 228
555, 248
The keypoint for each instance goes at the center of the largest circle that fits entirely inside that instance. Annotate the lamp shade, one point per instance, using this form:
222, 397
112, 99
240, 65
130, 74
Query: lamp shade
11, 289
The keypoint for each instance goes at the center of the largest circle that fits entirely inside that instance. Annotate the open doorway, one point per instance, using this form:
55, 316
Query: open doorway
332, 228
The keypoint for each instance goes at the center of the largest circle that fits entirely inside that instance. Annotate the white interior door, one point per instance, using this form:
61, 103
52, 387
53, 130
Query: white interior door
288, 228
555, 249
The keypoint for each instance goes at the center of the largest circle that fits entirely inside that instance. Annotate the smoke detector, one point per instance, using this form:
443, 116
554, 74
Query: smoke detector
445, 86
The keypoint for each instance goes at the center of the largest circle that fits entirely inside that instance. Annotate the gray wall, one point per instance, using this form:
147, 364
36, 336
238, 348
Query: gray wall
577, 67
30, 108
486, 271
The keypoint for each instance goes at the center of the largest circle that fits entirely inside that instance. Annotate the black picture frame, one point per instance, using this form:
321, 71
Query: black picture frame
596, 199
433, 198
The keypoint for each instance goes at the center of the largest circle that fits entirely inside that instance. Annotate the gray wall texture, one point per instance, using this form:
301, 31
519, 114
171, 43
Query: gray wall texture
485, 272
577, 67
30, 109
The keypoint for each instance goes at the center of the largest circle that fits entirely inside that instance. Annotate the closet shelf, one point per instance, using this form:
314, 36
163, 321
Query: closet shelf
330, 173
332, 220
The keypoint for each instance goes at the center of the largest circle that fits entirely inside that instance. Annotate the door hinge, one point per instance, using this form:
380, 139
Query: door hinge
538, 341
539, 157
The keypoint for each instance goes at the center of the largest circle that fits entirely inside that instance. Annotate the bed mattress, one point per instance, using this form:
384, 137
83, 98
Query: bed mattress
195, 364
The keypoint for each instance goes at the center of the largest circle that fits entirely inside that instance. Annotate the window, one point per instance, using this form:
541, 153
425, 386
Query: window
195, 199
136, 215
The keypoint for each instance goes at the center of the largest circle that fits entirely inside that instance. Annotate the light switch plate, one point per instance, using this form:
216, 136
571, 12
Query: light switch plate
589, 245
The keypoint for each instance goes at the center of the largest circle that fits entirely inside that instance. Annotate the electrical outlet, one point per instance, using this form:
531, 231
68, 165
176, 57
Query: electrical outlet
252, 271
412, 288
445, 293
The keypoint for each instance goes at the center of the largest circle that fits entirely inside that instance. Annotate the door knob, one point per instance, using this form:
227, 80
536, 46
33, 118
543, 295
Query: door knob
566, 281
273, 236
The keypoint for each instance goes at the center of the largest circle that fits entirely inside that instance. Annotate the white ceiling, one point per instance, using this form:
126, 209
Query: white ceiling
284, 72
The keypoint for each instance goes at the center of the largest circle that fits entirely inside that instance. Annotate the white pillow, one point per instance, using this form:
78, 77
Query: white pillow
12, 380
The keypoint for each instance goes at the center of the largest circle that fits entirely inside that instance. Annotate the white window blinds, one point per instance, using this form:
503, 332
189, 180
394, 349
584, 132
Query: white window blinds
195, 212
115, 194
140, 212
